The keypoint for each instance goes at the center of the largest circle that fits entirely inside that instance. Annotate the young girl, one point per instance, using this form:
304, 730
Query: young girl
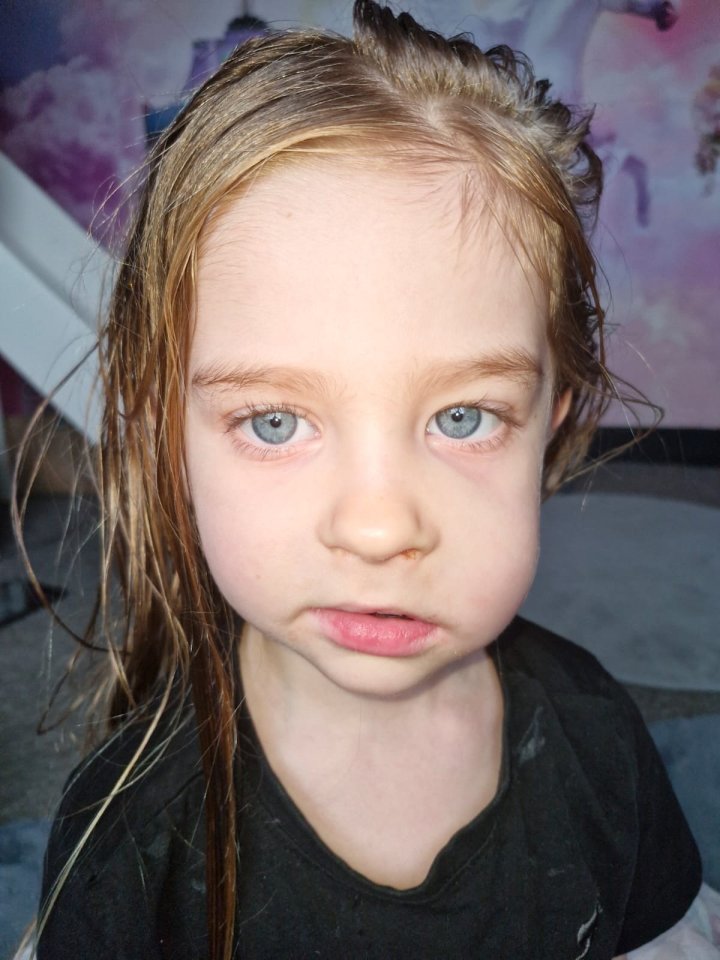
355, 340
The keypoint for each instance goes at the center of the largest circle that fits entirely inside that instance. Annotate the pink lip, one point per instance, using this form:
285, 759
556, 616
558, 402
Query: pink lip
366, 633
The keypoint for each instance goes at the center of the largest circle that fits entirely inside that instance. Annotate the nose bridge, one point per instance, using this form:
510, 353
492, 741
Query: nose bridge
377, 508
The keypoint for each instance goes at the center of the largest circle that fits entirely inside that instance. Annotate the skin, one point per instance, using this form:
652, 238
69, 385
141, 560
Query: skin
373, 280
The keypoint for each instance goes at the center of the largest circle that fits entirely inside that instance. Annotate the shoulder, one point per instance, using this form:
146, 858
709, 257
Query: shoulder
139, 772
588, 719
540, 667
559, 693
125, 812
624, 813
561, 666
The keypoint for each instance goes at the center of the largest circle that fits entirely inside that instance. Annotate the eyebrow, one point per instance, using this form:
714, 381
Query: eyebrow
517, 365
220, 377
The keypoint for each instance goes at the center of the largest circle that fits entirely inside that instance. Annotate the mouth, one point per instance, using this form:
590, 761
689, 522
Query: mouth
381, 613
380, 631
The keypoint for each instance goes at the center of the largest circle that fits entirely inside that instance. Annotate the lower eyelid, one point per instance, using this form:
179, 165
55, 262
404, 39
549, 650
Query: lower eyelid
268, 451
253, 446
468, 443
497, 438
263, 452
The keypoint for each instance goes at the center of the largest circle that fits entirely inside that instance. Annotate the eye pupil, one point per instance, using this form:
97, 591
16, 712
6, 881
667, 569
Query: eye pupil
458, 415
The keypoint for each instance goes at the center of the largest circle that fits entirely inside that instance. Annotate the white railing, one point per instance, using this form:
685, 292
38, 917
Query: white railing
51, 281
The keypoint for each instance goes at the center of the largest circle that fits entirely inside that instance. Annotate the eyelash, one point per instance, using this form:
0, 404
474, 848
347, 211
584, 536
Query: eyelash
269, 452
509, 422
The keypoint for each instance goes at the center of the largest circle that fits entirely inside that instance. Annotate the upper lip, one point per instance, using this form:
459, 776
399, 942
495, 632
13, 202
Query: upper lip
380, 608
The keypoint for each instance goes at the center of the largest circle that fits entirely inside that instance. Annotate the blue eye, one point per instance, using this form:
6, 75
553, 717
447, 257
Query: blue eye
276, 426
458, 422
268, 431
464, 422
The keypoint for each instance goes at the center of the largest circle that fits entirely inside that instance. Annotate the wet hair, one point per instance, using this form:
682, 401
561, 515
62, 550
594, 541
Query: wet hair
401, 95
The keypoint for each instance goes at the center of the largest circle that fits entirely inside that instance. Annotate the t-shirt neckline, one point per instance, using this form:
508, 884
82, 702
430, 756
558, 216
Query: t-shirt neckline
459, 851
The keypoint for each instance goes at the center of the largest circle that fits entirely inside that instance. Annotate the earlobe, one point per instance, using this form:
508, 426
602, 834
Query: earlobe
561, 408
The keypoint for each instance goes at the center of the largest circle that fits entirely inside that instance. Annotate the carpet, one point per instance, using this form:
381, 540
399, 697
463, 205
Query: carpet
690, 748
22, 845
635, 580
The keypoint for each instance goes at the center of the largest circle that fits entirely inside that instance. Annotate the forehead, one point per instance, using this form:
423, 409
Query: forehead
325, 248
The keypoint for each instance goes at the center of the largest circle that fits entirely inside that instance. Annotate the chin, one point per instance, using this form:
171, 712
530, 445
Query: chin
388, 678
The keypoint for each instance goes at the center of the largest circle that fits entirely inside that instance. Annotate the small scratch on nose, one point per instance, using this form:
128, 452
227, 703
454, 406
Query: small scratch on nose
410, 554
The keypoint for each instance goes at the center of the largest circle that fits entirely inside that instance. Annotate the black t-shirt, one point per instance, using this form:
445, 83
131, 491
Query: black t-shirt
583, 853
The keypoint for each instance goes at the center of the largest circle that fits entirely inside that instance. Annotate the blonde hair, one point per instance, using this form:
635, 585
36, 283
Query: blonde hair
397, 91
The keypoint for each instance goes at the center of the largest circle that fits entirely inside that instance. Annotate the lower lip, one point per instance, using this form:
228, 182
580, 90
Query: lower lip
381, 636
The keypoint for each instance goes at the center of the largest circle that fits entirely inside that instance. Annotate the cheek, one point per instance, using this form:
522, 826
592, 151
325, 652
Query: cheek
226, 523
505, 573
247, 533
497, 534
244, 559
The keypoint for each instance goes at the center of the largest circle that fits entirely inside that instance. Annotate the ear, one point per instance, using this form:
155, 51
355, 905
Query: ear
561, 408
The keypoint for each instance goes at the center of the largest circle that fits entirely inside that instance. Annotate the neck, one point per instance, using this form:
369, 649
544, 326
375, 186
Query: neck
385, 782
293, 703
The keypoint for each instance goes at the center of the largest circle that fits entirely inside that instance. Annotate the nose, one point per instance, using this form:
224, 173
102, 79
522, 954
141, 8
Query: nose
378, 518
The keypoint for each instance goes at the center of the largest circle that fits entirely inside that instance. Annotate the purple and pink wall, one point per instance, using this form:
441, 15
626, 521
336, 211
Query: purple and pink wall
78, 77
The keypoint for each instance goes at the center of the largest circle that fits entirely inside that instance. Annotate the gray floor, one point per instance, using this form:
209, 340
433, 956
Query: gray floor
32, 655
674, 482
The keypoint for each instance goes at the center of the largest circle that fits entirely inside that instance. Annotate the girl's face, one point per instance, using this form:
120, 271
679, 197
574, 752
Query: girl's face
370, 401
